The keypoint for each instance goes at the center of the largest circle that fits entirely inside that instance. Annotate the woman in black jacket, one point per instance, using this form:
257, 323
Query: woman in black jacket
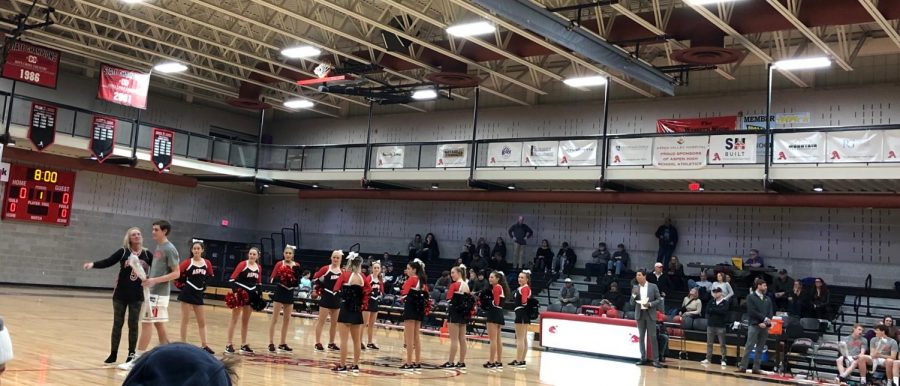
128, 294
542, 257
798, 301
499, 247
430, 249
820, 299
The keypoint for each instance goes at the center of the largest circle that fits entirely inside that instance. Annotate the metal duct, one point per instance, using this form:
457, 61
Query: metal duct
558, 30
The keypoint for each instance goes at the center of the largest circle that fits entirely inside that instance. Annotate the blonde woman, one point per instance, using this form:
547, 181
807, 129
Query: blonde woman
459, 314
376, 282
192, 281
245, 280
286, 276
353, 289
329, 301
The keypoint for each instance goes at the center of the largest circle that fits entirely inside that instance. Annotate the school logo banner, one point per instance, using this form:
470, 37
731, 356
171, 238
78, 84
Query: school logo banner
806, 147
578, 153
504, 154
540, 153
854, 146
389, 157
452, 156
630, 151
680, 152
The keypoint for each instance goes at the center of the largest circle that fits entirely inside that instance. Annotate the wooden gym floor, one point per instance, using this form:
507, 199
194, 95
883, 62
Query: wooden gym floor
60, 337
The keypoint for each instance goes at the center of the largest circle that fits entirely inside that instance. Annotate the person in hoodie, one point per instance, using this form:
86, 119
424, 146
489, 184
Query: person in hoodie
177, 364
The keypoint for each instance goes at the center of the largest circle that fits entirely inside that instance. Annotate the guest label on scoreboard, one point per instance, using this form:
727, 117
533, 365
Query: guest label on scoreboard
161, 149
103, 137
31, 63
39, 194
42, 131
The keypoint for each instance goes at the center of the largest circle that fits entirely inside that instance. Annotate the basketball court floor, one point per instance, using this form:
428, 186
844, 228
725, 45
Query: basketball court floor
61, 337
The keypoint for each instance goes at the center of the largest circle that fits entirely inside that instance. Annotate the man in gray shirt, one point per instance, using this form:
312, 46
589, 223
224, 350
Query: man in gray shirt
157, 287
569, 294
853, 355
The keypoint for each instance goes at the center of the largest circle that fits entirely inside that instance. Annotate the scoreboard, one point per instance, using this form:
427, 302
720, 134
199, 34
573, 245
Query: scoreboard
39, 194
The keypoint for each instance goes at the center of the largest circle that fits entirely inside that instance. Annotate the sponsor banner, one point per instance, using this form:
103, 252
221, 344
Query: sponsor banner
389, 157
680, 152
4, 170
696, 125
733, 149
604, 336
124, 87
854, 146
42, 131
806, 147
161, 149
540, 153
103, 137
630, 151
758, 122
578, 153
32, 64
452, 156
891, 140
504, 154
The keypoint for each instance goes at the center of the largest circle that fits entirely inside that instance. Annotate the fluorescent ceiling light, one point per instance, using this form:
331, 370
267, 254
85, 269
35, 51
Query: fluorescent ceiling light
586, 81
706, 2
169, 67
298, 104
424, 94
471, 29
802, 64
301, 52
132, 1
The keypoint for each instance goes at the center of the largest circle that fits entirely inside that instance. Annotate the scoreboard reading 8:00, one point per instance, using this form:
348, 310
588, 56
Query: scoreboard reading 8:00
39, 194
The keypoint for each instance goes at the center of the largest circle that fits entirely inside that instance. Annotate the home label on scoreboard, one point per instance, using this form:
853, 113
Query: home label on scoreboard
39, 194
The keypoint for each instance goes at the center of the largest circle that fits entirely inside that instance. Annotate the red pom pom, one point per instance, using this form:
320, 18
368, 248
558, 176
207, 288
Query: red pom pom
237, 299
429, 304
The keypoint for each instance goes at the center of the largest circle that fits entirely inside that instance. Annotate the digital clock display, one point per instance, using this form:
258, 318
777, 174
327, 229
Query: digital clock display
39, 194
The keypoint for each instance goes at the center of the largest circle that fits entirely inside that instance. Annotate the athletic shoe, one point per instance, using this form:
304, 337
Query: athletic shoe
513, 363
208, 350
354, 369
447, 365
272, 348
339, 369
417, 366
130, 357
704, 362
498, 365
724, 363
319, 347
111, 359
285, 348
372, 346
229, 349
128, 365
333, 347
407, 367
245, 349
520, 364
489, 365
460, 365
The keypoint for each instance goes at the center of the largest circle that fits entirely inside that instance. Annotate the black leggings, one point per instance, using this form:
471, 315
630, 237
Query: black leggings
134, 313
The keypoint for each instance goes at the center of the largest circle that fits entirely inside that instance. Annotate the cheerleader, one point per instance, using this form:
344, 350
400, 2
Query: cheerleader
492, 303
245, 281
286, 277
192, 282
329, 302
354, 289
459, 313
524, 305
415, 297
376, 282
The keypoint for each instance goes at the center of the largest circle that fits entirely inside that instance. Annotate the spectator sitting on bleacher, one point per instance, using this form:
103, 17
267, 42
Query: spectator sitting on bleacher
884, 352
599, 260
798, 301
702, 283
659, 278
820, 299
755, 260
483, 249
691, 306
468, 251
497, 263
619, 260
569, 294
675, 274
716, 321
443, 282
781, 288
892, 332
564, 261
499, 247
720, 282
480, 283
543, 257
479, 264
853, 355
415, 246
605, 281
430, 250
614, 297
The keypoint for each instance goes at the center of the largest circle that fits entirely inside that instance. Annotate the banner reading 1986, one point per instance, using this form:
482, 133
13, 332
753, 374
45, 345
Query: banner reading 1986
124, 87
33, 64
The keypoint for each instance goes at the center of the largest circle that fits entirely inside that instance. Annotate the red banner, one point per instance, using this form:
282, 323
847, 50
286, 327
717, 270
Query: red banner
32, 64
161, 149
696, 125
124, 87
103, 137
42, 130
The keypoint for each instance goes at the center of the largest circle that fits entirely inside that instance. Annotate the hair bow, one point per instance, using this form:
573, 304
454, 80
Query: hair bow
352, 256
293, 247
526, 271
197, 241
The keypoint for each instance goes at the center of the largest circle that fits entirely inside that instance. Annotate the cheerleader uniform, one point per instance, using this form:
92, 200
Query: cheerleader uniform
374, 298
193, 278
460, 309
327, 279
493, 310
414, 295
245, 279
284, 290
523, 310
354, 296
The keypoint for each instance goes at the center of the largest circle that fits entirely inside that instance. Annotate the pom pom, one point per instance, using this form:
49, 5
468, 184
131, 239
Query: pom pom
236, 299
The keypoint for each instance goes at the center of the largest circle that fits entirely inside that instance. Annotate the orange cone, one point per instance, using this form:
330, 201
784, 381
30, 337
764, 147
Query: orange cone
445, 331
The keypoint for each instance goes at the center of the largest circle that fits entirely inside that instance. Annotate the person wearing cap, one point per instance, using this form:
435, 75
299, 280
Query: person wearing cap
716, 320
569, 294
659, 278
179, 364
781, 287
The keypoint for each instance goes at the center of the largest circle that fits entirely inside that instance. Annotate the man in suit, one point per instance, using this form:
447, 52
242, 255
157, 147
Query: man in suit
759, 317
646, 299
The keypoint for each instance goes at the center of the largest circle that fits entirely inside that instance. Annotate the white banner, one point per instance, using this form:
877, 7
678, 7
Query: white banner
854, 146
452, 156
596, 337
389, 157
4, 172
541, 153
630, 151
680, 152
732, 149
891, 145
578, 153
504, 154
758, 122
798, 148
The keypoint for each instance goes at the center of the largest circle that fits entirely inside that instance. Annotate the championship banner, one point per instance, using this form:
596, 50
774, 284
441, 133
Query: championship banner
541, 153
891, 140
504, 154
103, 137
732, 149
680, 152
124, 87
696, 125
578, 153
161, 149
389, 157
630, 151
758, 122
452, 156
854, 146
806, 147
32, 64
42, 131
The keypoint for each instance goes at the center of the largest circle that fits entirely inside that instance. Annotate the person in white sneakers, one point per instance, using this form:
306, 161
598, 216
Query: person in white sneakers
157, 287
717, 319
853, 355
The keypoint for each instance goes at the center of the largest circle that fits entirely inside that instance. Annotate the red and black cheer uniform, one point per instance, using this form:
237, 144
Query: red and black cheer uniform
523, 304
415, 296
354, 296
374, 299
286, 279
461, 304
326, 279
245, 280
491, 303
193, 280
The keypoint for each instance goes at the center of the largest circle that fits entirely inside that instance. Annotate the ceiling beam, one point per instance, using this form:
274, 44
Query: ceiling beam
872, 8
803, 29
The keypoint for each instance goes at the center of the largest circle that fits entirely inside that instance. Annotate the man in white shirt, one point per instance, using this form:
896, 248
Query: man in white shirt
646, 297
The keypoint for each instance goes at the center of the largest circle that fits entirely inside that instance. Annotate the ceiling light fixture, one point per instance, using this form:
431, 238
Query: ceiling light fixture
802, 64
586, 81
426, 94
169, 67
300, 52
471, 29
298, 104
132, 1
